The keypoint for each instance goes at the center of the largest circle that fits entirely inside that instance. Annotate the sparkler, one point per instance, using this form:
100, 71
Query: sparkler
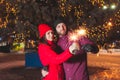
81, 32
75, 35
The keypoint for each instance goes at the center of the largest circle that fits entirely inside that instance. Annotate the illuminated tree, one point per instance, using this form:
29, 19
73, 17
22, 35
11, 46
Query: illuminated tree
21, 17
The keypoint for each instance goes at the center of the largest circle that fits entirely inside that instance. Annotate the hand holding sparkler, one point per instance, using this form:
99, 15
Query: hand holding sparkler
74, 48
77, 34
74, 36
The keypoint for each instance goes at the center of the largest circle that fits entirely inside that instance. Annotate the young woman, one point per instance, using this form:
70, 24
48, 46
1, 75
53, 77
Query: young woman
49, 57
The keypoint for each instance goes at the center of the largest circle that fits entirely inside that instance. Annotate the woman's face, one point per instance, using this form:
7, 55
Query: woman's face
49, 35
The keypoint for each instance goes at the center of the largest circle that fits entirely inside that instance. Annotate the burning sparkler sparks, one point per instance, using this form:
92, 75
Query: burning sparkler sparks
81, 32
75, 35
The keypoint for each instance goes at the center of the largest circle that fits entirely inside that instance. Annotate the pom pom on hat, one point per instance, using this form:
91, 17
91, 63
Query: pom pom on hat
43, 28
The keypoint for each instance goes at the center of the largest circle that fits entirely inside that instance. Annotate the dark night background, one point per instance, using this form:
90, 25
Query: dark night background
21, 18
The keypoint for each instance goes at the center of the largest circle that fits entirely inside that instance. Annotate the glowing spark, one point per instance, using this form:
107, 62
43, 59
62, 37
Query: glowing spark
73, 37
109, 24
81, 32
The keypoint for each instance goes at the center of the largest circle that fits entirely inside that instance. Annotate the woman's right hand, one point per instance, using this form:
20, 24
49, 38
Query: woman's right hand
44, 72
74, 47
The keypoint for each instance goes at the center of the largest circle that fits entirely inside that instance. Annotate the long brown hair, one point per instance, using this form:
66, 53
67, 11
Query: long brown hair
43, 40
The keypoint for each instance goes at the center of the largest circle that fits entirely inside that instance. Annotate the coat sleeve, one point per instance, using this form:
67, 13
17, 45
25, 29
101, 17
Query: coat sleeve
48, 56
88, 45
84, 40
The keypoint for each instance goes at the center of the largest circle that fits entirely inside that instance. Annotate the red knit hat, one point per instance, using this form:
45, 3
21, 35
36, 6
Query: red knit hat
43, 28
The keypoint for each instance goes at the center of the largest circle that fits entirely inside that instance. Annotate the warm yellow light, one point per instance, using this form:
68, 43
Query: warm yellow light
81, 32
113, 6
109, 24
105, 7
73, 37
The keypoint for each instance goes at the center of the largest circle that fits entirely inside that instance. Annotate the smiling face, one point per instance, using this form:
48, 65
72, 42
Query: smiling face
49, 35
61, 29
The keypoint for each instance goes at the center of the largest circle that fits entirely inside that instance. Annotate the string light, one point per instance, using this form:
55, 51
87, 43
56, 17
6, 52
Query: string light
62, 4
113, 6
9, 9
1, 1
100, 2
105, 7
97, 32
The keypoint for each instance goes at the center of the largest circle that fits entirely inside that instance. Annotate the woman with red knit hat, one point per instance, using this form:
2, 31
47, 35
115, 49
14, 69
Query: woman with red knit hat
48, 55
